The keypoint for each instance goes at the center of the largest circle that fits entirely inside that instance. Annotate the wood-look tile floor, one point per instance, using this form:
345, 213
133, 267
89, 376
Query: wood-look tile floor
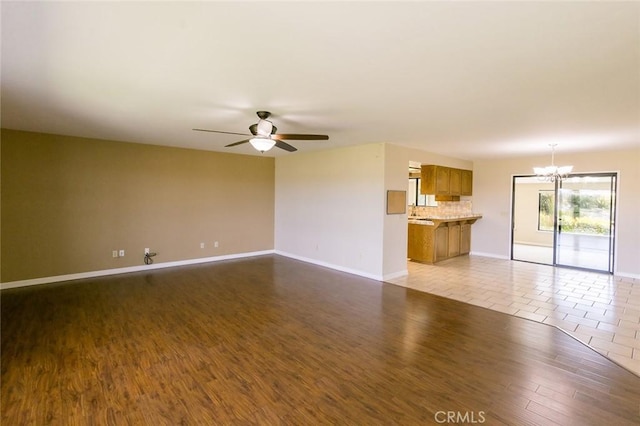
599, 309
271, 340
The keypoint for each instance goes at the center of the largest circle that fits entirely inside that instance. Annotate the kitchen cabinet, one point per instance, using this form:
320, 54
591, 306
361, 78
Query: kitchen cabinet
443, 239
455, 182
446, 183
442, 181
441, 243
466, 182
420, 242
453, 248
465, 238
434, 180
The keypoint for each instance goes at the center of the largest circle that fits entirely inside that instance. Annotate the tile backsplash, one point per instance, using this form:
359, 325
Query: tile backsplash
444, 208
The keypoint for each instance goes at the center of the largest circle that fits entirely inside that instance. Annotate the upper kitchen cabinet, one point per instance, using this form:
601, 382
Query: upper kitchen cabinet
446, 183
467, 182
455, 182
434, 180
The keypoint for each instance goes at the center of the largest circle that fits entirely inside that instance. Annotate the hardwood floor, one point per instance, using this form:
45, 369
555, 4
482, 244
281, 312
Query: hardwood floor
271, 340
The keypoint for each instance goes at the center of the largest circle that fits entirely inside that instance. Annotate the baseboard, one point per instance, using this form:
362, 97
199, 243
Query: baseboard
395, 275
330, 266
116, 271
492, 255
527, 243
627, 275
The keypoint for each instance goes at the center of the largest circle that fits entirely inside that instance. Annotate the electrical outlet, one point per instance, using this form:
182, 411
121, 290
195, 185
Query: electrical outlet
201, 245
121, 253
146, 251
114, 253
215, 244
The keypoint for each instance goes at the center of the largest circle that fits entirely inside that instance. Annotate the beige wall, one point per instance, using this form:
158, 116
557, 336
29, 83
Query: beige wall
492, 197
68, 202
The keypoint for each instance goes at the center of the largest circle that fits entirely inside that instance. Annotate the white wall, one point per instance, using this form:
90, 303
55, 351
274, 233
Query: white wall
329, 208
492, 198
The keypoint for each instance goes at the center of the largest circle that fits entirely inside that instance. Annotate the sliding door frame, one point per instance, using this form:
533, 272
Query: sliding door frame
613, 212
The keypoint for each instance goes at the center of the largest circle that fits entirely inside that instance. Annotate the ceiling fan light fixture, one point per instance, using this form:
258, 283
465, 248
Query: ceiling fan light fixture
264, 128
264, 135
262, 144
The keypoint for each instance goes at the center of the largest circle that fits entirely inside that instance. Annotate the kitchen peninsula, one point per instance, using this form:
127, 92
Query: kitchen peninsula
433, 239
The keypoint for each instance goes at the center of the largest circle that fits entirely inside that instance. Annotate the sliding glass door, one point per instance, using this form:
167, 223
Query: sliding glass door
533, 220
586, 207
565, 223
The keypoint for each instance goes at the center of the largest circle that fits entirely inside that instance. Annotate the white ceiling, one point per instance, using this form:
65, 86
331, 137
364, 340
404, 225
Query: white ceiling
467, 79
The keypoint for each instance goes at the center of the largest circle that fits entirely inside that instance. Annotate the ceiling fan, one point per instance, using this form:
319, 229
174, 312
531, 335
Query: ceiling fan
264, 137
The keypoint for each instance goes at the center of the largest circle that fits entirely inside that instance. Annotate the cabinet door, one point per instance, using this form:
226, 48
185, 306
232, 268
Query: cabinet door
454, 241
428, 179
466, 182
442, 243
455, 181
442, 181
415, 242
465, 238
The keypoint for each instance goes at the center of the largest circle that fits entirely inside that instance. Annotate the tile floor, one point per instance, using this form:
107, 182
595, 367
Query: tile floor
598, 309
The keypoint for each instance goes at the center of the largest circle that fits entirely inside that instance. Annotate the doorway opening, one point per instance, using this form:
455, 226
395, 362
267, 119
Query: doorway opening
565, 223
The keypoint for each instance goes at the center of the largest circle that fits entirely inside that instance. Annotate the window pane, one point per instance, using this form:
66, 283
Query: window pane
545, 210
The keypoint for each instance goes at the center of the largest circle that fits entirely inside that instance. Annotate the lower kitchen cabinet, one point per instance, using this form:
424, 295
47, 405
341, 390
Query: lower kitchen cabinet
442, 243
454, 240
444, 239
465, 238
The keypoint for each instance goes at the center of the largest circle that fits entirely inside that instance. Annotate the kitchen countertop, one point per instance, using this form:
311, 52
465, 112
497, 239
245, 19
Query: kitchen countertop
433, 220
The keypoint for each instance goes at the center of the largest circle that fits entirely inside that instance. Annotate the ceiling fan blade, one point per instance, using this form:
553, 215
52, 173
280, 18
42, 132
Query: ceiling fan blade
285, 146
299, 137
220, 131
237, 143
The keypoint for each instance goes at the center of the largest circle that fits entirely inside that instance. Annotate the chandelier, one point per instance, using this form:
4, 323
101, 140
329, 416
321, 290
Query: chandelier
552, 173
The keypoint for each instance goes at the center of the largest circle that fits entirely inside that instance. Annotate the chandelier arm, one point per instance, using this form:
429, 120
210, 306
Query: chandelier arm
553, 173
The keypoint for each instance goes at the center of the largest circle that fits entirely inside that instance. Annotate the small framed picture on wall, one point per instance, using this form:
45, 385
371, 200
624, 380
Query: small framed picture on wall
396, 202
